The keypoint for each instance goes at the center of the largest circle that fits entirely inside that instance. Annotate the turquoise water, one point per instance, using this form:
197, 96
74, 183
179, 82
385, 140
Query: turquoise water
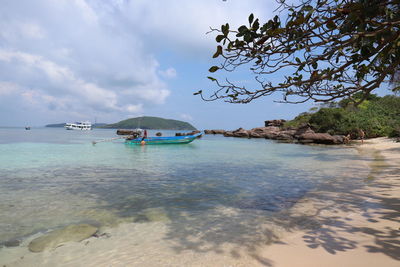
50, 177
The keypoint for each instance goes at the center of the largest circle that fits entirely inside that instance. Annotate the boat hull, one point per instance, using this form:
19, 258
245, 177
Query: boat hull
164, 140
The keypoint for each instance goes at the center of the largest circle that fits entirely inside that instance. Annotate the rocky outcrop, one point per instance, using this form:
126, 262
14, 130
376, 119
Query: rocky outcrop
319, 138
56, 238
228, 134
218, 131
158, 134
276, 123
303, 134
240, 133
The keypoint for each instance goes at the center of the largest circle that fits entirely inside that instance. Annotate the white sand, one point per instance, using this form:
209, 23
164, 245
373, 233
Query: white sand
345, 227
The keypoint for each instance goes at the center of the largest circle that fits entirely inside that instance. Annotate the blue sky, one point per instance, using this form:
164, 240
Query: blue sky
71, 60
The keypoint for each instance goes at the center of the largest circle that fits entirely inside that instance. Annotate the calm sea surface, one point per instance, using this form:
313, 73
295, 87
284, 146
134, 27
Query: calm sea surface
50, 177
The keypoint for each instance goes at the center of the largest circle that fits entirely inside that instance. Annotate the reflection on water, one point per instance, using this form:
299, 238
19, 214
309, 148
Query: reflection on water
54, 178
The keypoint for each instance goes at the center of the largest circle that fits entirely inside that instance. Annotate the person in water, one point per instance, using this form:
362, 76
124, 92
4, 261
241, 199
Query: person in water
361, 134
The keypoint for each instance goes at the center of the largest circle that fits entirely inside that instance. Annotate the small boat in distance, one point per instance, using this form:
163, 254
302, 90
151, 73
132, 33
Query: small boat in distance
83, 125
27, 127
163, 140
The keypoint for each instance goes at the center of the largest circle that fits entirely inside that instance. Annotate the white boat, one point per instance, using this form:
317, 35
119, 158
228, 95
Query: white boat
83, 125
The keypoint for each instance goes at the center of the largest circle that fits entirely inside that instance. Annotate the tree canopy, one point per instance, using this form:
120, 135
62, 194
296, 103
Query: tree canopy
322, 50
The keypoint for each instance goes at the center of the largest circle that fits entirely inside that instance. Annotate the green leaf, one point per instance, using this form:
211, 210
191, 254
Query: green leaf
315, 65
242, 29
197, 93
213, 69
298, 60
225, 29
307, 8
256, 25
219, 38
211, 78
219, 52
331, 25
251, 18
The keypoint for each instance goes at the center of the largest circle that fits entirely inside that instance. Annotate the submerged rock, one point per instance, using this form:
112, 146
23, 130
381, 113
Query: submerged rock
71, 233
12, 243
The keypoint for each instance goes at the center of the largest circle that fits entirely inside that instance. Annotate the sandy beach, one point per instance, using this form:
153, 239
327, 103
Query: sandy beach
334, 226
359, 227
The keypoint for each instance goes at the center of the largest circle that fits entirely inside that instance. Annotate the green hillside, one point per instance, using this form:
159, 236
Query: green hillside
151, 123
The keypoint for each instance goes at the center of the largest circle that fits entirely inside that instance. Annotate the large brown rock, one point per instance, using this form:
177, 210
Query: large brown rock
71, 233
303, 129
277, 123
255, 134
320, 138
263, 132
217, 131
241, 133
228, 134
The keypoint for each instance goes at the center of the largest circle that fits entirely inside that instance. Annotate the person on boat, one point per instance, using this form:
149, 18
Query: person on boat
144, 137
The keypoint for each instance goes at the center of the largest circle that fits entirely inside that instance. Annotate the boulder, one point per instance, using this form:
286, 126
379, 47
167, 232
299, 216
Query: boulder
339, 139
302, 129
12, 243
263, 132
158, 134
218, 131
319, 138
241, 133
71, 233
276, 123
255, 134
228, 134
284, 136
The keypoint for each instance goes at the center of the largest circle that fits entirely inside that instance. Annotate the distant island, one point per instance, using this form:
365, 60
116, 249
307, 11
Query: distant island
151, 123
59, 125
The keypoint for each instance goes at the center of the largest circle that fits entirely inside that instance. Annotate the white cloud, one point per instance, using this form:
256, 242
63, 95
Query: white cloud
186, 117
168, 73
7, 88
100, 57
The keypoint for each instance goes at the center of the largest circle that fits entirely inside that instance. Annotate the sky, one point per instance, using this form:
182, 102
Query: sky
106, 61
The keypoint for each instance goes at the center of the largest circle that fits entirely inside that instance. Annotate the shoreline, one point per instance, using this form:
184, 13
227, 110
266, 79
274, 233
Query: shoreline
348, 227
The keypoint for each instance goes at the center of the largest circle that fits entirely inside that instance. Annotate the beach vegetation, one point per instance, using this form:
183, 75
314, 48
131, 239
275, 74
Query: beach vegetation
377, 116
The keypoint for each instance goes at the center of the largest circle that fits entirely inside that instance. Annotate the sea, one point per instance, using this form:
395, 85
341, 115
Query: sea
51, 178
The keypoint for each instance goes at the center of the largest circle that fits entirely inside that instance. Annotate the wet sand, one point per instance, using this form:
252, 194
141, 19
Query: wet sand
337, 225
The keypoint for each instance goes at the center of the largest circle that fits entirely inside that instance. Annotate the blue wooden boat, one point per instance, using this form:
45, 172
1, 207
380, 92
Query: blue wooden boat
164, 140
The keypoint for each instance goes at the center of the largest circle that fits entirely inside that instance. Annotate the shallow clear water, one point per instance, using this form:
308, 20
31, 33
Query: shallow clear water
50, 177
